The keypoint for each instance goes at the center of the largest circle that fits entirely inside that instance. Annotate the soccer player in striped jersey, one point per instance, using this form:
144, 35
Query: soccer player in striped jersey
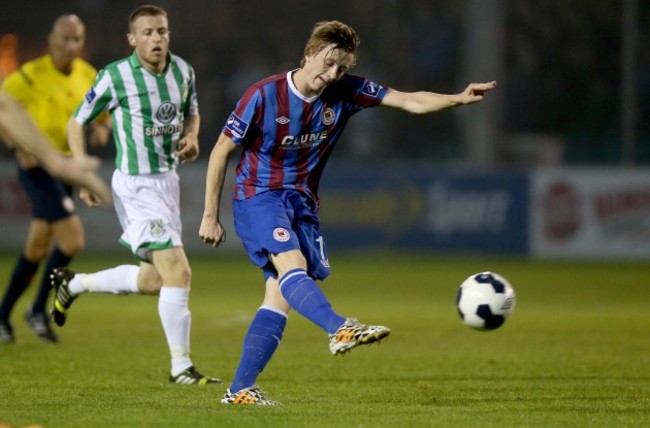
286, 127
49, 87
151, 96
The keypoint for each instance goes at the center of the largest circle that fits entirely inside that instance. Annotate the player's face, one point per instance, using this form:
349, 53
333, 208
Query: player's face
150, 37
66, 43
326, 66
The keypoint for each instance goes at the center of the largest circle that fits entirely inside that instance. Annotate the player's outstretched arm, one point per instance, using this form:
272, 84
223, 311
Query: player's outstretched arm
82, 172
423, 102
18, 129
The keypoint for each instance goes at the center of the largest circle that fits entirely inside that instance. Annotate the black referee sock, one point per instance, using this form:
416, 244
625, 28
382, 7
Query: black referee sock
57, 259
22, 275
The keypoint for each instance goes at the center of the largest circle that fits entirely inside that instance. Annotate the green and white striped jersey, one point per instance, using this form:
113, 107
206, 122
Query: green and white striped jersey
147, 111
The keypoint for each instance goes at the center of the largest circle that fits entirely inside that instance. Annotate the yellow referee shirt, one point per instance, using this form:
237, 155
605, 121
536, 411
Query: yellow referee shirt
50, 96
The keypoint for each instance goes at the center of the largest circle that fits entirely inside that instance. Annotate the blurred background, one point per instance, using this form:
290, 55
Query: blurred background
532, 162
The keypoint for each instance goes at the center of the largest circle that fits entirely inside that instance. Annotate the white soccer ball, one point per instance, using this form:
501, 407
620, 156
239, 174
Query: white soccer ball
485, 300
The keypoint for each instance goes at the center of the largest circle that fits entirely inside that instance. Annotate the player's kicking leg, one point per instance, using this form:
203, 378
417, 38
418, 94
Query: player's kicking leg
352, 334
63, 298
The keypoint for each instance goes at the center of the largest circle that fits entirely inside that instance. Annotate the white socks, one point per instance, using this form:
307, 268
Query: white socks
176, 319
172, 306
118, 280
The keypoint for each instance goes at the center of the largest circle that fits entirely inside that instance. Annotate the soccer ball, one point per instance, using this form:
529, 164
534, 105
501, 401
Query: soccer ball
485, 300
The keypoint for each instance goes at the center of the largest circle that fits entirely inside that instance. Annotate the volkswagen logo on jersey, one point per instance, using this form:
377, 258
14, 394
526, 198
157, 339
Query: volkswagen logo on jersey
166, 112
328, 116
371, 88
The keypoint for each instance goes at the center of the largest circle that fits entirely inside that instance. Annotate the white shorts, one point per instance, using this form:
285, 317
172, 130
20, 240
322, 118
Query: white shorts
148, 207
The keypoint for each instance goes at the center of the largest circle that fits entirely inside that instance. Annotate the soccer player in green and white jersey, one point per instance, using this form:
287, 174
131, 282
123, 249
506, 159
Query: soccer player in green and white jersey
151, 97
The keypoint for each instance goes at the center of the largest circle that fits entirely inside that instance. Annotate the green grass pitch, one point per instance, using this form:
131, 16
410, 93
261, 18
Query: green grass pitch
576, 352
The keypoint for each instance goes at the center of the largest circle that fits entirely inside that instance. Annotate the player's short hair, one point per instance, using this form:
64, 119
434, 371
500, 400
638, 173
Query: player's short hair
145, 10
326, 33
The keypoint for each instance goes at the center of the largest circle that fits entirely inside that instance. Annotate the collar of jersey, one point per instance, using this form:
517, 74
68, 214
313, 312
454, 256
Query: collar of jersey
135, 62
50, 63
295, 90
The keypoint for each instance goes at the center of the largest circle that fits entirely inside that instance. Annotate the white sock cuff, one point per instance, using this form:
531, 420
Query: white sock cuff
176, 295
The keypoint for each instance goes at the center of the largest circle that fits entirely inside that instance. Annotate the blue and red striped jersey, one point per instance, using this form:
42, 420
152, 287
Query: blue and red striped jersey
286, 139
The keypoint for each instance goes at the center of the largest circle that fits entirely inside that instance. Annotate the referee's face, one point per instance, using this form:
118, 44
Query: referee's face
150, 37
66, 42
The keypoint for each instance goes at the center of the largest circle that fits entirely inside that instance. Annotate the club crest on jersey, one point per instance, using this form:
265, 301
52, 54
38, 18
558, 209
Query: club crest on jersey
328, 116
90, 95
371, 88
166, 112
280, 234
156, 228
237, 126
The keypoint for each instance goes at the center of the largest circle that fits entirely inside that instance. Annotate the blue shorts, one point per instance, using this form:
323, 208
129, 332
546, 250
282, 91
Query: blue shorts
277, 221
51, 199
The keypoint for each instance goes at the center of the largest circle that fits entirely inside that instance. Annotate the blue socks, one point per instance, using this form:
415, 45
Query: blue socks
261, 341
265, 332
306, 298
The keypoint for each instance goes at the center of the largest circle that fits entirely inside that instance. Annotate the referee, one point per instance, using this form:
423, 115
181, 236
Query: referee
50, 87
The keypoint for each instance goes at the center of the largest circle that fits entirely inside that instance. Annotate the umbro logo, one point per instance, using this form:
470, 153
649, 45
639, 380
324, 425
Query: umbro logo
282, 120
